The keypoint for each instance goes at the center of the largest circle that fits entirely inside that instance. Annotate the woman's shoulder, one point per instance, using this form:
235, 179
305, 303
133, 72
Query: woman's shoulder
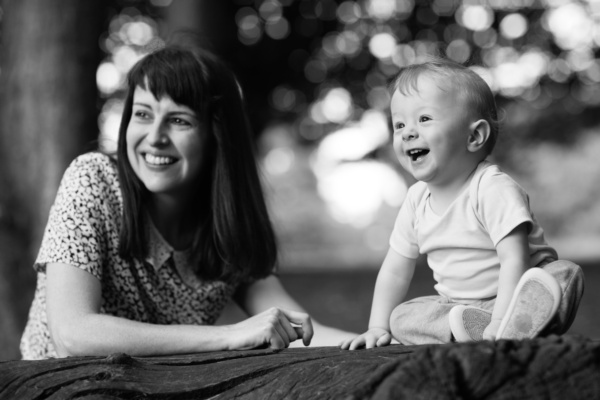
93, 165
95, 160
94, 173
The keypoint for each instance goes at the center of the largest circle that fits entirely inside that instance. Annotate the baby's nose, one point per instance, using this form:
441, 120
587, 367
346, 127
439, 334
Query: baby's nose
410, 133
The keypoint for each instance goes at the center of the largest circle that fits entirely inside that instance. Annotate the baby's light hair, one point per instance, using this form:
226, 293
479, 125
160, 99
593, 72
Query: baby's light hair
451, 75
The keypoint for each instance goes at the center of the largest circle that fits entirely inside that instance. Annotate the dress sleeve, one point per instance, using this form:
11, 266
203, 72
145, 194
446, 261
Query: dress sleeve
503, 205
404, 238
76, 229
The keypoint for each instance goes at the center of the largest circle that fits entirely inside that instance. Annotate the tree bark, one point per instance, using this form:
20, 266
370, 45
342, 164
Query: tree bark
48, 115
548, 368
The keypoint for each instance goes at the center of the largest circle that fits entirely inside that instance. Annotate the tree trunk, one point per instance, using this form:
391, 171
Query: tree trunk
48, 115
548, 368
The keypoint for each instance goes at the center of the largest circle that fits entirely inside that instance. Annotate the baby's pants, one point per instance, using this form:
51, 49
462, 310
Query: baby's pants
424, 320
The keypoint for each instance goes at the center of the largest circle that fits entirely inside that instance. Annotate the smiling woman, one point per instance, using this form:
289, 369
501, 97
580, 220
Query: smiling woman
163, 143
144, 248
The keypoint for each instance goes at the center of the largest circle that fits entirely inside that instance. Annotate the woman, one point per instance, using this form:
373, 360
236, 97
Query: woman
143, 250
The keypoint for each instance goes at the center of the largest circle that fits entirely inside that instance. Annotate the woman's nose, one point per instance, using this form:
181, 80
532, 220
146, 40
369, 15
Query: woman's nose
158, 136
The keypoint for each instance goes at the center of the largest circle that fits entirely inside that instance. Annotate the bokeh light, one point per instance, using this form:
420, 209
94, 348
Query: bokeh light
382, 45
341, 54
354, 192
315, 71
337, 105
108, 77
571, 26
513, 26
271, 10
475, 17
278, 29
349, 12
458, 50
278, 161
249, 27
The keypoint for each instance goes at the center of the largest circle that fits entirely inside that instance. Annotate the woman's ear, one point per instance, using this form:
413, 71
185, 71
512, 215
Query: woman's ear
479, 134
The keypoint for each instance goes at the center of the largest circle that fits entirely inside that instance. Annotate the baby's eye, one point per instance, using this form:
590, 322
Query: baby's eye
398, 125
424, 118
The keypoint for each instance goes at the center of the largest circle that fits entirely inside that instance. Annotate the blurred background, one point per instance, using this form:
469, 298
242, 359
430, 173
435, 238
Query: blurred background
314, 73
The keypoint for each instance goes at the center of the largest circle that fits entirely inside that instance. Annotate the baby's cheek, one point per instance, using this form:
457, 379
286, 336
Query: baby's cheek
398, 150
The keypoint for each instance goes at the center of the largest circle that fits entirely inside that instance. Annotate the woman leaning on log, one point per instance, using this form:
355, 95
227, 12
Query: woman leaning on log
143, 250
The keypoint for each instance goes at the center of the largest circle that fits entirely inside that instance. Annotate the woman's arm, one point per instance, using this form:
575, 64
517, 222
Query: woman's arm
513, 253
391, 287
78, 328
264, 294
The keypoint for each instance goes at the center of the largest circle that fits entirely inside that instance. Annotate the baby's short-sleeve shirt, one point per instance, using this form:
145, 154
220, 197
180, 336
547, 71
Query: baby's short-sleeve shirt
461, 243
83, 231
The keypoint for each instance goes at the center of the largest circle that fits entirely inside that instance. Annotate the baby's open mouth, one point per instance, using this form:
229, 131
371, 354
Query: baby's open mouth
415, 154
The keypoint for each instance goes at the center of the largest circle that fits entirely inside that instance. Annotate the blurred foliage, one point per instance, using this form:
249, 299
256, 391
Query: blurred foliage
540, 52
315, 74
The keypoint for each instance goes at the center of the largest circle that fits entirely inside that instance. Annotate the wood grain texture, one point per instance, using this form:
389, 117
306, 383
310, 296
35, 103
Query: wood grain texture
550, 368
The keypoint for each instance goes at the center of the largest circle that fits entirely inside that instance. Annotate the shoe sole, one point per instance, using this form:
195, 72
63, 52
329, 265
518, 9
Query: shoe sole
467, 323
532, 306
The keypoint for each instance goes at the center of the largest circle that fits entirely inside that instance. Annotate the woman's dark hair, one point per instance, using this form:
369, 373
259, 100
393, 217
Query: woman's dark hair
234, 238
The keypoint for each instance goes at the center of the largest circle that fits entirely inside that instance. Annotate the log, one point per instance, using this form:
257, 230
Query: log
565, 367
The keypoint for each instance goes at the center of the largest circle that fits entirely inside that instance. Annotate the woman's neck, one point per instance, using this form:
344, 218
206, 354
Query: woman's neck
171, 217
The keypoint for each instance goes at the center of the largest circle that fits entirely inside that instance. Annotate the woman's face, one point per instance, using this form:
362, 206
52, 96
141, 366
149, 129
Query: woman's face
164, 144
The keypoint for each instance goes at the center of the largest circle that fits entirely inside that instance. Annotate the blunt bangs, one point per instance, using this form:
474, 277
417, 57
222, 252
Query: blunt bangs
176, 74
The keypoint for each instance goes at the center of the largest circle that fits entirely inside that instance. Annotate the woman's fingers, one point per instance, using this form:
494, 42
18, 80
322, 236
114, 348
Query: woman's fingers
277, 334
302, 320
274, 328
299, 331
286, 326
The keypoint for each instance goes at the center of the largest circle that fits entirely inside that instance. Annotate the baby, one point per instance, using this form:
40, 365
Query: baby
496, 277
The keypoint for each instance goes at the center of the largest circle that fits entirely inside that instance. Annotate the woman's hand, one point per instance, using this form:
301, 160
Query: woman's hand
374, 337
274, 328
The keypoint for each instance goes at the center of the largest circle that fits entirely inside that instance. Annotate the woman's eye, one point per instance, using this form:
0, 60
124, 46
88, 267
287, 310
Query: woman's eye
141, 114
180, 121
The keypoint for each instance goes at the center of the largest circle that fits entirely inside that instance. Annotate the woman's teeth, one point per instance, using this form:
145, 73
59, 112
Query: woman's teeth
158, 160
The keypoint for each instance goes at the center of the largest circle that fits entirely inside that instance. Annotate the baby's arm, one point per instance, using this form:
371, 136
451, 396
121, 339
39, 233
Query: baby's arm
392, 284
513, 252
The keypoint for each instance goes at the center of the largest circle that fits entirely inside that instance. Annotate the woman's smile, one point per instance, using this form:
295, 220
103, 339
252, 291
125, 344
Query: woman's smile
156, 160
164, 143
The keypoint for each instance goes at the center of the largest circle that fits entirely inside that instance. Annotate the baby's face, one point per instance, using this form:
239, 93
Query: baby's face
431, 128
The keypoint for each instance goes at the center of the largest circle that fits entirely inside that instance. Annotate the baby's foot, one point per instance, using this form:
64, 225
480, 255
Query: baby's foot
532, 306
467, 323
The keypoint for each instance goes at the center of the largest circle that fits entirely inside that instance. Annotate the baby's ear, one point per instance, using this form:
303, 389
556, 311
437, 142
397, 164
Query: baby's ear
478, 136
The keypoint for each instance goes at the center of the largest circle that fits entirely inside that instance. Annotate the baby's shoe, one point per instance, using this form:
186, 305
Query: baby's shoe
532, 306
467, 323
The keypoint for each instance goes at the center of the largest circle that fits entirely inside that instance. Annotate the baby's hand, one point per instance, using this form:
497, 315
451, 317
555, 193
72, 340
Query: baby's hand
374, 337
490, 331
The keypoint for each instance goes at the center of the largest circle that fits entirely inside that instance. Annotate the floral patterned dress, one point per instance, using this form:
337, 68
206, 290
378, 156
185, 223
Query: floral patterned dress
83, 231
